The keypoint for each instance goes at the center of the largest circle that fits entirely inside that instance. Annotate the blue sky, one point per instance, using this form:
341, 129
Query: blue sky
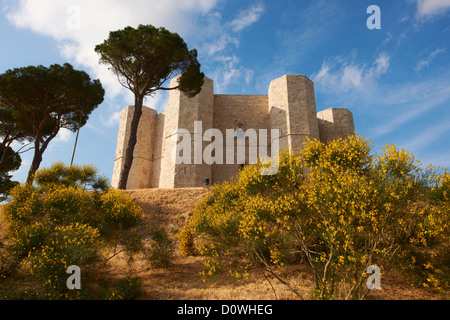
395, 80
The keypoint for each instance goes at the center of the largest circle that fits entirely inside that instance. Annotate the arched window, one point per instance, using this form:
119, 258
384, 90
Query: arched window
240, 130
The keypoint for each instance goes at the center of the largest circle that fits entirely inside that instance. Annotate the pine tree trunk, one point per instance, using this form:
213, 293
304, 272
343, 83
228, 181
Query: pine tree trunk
131, 143
39, 150
37, 159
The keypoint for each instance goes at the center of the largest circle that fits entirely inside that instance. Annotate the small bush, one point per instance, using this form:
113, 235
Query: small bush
161, 251
75, 244
186, 242
65, 219
129, 288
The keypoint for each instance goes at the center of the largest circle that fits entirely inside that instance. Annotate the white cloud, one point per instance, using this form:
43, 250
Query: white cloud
247, 17
434, 89
229, 70
429, 8
299, 39
220, 43
351, 76
403, 116
229, 75
405, 18
426, 62
219, 39
323, 72
112, 120
382, 64
249, 76
79, 25
388, 39
388, 106
64, 135
340, 75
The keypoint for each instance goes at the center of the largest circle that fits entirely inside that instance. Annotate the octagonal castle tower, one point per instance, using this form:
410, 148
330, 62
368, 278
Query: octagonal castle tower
289, 106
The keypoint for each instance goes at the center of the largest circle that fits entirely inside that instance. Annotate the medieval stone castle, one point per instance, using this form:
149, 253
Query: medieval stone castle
289, 106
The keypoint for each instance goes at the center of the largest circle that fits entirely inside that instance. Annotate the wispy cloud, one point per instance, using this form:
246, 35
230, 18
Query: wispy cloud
64, 135
429, 8
340, 74
196, 21
381, 64
390, 106
427, 137
434, 89
426, 62
401, 115
247, 17
219, 41
227, 71
409, 101
112, 119
311, 27
95, 19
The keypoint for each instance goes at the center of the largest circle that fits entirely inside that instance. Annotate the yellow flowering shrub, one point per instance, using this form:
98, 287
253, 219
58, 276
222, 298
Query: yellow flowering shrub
74, 244
119, 210
128, 288
82, 177
338, 204
424, 256
67, 218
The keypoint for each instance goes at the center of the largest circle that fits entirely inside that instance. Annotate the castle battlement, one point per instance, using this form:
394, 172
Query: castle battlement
289, 107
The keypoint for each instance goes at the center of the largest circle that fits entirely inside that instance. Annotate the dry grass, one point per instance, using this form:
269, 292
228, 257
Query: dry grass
171, 208
183, 282
167, 207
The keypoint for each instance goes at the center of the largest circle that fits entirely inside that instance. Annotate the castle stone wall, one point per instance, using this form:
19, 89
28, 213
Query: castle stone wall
292, 109
141, 171
335, 123
289, 107
229, 112
198, 108
167, 139
157, 155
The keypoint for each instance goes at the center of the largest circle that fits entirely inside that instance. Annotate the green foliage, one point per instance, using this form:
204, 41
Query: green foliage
74, 244
9, 161
424, 257
146, 57
82, 177
161, 251
60, 93
54, 224
186, 242
38, 101
340, 206
128, 288
11, 130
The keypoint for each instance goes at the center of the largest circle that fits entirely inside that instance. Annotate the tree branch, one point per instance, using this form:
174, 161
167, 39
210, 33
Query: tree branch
269, 269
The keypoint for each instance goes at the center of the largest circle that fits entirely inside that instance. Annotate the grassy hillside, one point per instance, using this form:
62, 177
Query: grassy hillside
170, 208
